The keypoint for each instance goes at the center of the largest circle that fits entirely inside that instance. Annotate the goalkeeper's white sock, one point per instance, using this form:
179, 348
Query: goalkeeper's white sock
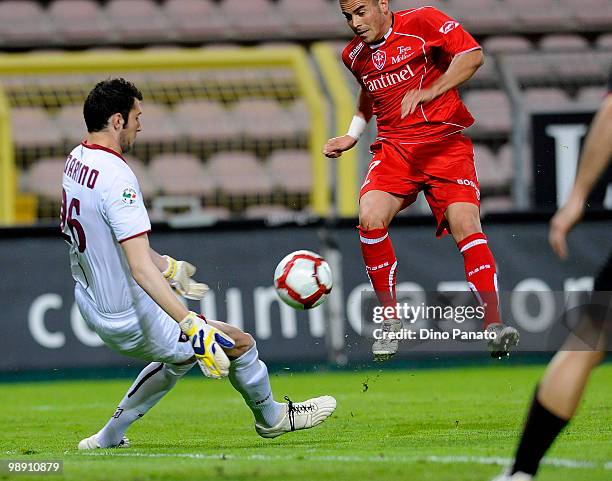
249, 376
152, 383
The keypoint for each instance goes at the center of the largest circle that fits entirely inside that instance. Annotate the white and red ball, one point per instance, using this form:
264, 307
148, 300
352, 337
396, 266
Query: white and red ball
303, 279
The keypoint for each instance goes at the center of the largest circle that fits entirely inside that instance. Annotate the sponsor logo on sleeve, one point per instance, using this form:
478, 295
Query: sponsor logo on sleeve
129, 196
448, 26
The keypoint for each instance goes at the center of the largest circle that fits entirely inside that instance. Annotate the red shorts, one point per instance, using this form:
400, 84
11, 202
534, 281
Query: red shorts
443, 170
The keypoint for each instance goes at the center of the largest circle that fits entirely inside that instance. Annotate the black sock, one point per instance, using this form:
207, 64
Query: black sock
541, 429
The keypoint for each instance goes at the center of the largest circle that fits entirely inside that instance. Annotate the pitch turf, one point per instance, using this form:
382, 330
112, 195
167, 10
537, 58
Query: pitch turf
451, 424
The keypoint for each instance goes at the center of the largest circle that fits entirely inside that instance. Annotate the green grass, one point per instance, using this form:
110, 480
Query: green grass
407, 425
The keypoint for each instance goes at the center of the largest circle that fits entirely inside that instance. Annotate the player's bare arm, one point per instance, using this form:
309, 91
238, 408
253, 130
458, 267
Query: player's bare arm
595, 158
335, 146
460, 70
148, 276
179, 274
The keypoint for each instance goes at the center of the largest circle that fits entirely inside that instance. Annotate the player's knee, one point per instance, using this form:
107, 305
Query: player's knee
370, 219
243, 342
464, 227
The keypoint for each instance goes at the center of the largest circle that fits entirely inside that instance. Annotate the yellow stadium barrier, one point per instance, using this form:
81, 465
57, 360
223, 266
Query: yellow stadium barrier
107, 63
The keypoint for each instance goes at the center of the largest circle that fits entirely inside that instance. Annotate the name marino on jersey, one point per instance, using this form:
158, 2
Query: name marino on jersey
80, 172
388, 79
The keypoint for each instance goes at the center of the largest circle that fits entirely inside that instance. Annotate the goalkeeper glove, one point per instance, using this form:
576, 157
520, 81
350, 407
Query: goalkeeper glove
179, 275
208, 343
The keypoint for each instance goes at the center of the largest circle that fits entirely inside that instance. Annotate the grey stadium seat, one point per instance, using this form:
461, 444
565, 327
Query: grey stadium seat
45, 178
181, 175
507, 44
196, 19
253, 19
292, 170
138, 21
24, 23
206, 121
80, 21
239, 174
564, 43
32, 127
313, 18
491, 110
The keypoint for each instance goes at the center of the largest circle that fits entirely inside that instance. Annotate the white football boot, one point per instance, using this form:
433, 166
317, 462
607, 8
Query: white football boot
92, 443
514, 477
506, 337
384, 349
304, 415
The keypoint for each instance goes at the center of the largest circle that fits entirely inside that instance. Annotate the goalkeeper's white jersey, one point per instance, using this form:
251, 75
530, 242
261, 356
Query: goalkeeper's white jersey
102, 206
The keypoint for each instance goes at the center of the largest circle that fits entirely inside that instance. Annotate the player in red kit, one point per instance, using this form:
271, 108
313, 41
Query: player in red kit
409, 64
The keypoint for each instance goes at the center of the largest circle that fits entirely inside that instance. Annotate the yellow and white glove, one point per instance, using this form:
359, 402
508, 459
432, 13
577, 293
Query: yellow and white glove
179, 275
208, 343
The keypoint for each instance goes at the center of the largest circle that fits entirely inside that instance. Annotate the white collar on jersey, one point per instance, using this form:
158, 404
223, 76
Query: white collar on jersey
384, 39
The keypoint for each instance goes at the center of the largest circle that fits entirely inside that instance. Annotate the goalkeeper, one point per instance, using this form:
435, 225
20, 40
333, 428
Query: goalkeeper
124, 289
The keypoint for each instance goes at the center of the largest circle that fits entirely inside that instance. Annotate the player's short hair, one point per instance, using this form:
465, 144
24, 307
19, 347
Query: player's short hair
107, 98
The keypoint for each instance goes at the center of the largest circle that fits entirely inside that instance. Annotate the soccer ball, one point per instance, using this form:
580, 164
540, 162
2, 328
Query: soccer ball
303, 279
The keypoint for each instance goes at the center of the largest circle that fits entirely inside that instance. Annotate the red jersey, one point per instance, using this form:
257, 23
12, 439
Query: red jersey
415, 52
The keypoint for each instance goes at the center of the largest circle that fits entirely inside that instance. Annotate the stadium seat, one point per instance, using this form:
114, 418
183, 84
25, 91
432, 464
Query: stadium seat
397, 5
492, 174
300, 116
181, 175
196, 20
239, 174
264, 120
253, 19
158, 124
530, 69
604, 42
72, 124
491, 110
505, 157
576, 67
291, 170
313, 18
543, 15
272, 212
24, 23
138, 21
80, 21
591, 14
543, 98
507, 44
482, 16
494, 204
564, 43
591, 96
147, 185
32, 128
45, 178
206, 121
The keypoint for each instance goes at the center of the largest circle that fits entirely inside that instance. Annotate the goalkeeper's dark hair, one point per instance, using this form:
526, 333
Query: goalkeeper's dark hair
107, 98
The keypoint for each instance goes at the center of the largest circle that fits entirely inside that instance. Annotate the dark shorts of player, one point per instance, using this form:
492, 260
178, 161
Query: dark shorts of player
444, 170
596, 329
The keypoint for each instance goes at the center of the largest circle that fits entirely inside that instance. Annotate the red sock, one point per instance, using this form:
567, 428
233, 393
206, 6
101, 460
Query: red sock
380, 262
480, 274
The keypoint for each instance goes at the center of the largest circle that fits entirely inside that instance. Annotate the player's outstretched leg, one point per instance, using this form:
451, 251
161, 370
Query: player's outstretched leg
249, 376
481, 273
376, 209
153, 382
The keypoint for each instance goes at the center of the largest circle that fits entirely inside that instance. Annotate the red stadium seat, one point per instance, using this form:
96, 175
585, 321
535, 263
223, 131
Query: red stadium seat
80, 21
239, 174
507, 44
313, 18
45, 178
72, 124
543, 15
264, 120
542, 99
181, 175
138, 21
24, 23
291, 170
564, 43
196, 20
32, 128
491, 110
482, 16
492, 174
158, 125
253, 19
206, 121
